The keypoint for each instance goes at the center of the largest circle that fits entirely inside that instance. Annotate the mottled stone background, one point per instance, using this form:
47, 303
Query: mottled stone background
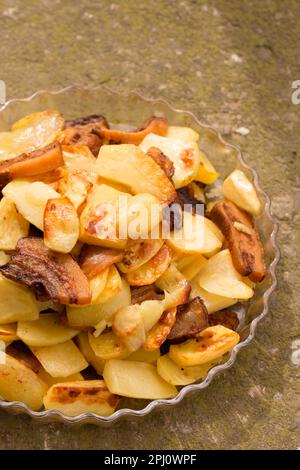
232, 63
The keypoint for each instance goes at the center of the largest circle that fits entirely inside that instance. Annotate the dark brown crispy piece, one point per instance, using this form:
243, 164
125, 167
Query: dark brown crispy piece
156, 125
94, 259
84, 135
22, 353
226, 318
34, 163
185, 200
162, 160
141, 293
191, 318
246, 249
96, 119
50, 274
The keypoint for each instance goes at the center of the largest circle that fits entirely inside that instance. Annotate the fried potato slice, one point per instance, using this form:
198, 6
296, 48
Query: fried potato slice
49, 380
239, 189
61, 225
136, 380
8, 333
85, 348
17, 303
209, 345
30, 199
97, 285
79, 158
177, 289
86, 396
95, 259
206, 171
142, 217
112, 287
179, 375
149, 272
184, 134
107, 346
160, 332
60, 360
246, 248
212, 302
13, 226
130, 166
184, 155
128, 325
91, 315
76, 187
218, 276
19, 383
137, 253
190, 265
144, 356
48, 330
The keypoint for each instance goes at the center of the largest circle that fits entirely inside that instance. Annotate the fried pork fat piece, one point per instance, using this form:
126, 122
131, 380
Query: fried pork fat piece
50, 274
242, 238
191, 318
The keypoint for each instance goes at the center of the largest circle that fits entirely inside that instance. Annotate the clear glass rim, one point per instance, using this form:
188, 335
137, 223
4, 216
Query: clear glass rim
54, 415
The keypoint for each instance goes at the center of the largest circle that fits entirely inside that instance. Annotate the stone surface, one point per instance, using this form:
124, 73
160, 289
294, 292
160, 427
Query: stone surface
233, 64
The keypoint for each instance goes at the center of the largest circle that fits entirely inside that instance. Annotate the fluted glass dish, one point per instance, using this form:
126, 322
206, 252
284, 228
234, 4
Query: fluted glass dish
132, 109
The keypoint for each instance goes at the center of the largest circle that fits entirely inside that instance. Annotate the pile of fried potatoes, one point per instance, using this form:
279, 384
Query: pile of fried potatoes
88, 316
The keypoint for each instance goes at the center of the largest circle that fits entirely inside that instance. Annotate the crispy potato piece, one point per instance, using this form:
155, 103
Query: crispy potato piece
149, 272
157, 125
82, 136
212, 302
13, 226
128, 165
226, 318
209, 345
61, 225
137, 253
239, 189
112, 287
95, 259
19, 383
185, 157
97, 285
128, 325
191, 318
177, 289
30, 199
246, 249
190, 265
91, 315
30, 133
136, 380
60, 360
17, 303
79, 158
8, 333
162, 160
84, 346
48, 330
219, 276
206, 172
76, 187
107, 346
86, 396
159, 332
33, 163
142, 217
178, 375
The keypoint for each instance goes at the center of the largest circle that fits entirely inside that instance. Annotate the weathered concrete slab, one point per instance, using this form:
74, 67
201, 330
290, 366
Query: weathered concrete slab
232, 63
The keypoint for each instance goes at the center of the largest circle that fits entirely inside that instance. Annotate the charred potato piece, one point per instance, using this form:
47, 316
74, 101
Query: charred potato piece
245, 246
160, 332
191, 318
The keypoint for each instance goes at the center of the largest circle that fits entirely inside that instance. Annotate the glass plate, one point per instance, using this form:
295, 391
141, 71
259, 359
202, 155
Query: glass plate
133, 109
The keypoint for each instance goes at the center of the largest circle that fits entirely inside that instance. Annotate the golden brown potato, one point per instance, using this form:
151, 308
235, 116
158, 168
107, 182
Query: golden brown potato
159, 332
13, 226
137, 253
75, 186
107, 346
61, 225
149, 272
8, 333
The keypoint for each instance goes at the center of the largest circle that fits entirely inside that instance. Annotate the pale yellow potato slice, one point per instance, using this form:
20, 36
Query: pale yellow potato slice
17, 303
91, 315
49, 380
112, 287
19, 383
149, 272
30, 199
144, 356
61, 360
239, 189
107, 346
13, 226
206, 171
30, 133
137, 253
128, 165
197, 237
128, 325
84, 346
178, 375
79, 158
74, 398
97, 285
61, 225
190, 265
136, 380
212, 302
219, 277
184, 134
142, 217
46, 331
209, 345
184, 155
176, 287
4, 258
151, 311
8, 333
